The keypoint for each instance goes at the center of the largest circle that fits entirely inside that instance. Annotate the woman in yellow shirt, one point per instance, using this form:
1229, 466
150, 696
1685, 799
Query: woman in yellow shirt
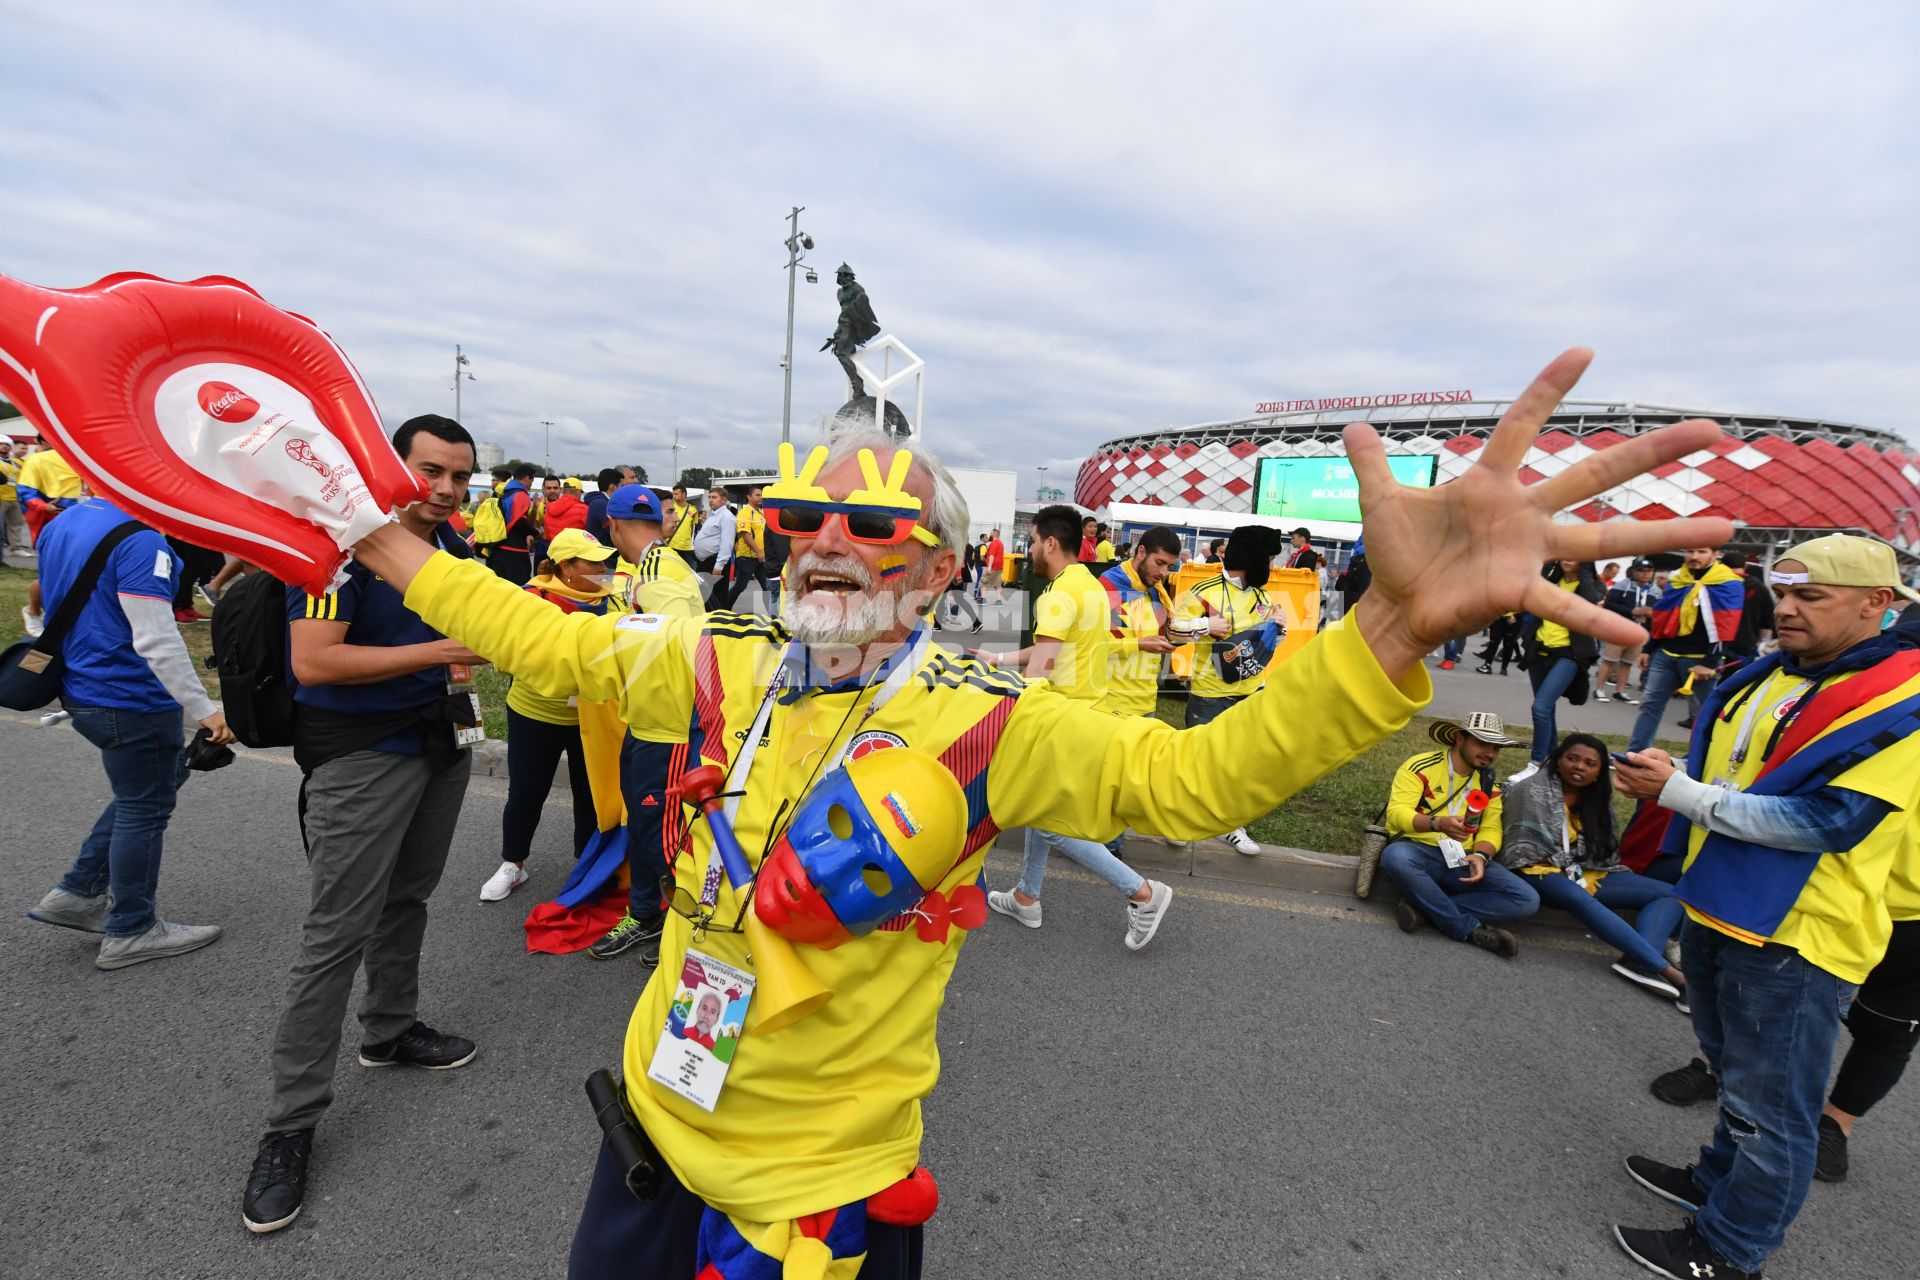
1556, 660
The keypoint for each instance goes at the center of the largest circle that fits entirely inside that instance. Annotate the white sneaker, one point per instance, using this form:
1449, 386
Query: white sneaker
162, 939
1242, 842
1650, 981
1003, 901
1600, 695
34, 622
503, 882
1143, 918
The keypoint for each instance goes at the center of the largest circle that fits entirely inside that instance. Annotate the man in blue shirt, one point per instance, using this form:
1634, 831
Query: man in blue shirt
127, 677
607, 481
385, 775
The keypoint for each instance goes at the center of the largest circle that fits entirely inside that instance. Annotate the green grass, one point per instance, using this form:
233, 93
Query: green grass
1328, 816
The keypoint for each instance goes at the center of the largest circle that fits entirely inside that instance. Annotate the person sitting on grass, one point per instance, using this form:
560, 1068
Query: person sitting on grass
1557, 830
1438, 855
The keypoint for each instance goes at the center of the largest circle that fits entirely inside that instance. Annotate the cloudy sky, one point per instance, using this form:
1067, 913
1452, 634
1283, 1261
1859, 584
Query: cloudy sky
1088, 219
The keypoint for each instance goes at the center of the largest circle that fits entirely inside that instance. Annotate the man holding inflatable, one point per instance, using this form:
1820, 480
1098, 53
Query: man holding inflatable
816, 1115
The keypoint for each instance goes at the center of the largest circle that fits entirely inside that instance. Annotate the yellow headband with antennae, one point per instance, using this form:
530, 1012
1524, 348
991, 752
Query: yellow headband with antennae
802, 487
892, 494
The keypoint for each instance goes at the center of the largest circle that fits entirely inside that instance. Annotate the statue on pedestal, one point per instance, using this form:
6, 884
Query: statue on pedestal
857, 327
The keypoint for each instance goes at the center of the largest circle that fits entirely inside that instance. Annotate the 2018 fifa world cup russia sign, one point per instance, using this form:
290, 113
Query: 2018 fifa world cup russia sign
1392, 401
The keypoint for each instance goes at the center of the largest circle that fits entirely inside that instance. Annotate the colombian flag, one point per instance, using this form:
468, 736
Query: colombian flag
1752, 887
1677, 613
819, 1246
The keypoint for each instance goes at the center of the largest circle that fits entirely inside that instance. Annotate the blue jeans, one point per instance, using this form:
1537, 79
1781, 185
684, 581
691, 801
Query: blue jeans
1767, 1021
1088, 853
1550, 681
1456, 908
1665, 673
1450, 652
145, 766
1644, 941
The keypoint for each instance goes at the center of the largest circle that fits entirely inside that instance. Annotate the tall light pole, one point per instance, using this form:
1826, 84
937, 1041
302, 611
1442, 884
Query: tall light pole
677, 446
798, 242
460, 362
548, 424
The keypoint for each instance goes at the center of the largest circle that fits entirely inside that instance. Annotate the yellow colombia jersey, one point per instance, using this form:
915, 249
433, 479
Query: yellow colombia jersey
1073, 610
48, 472
1551, 634
1242, 607
1132, 675
749, 534
8, 470
685, 518
827, 1110
1428, 783
1841, 920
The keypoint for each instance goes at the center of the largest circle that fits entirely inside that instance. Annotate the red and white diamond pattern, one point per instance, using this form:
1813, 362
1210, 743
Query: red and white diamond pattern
1764, 480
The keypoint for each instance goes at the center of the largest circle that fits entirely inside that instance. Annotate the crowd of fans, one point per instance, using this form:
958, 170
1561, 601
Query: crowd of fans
382, 712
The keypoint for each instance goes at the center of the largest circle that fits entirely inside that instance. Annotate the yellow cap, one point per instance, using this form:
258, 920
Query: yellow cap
576, 544
1844, 560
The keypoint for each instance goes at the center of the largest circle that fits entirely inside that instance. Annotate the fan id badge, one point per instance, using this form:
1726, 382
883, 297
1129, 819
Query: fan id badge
1453, 851
704, 1025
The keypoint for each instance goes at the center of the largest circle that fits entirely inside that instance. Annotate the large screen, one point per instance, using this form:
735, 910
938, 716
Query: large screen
1325, 488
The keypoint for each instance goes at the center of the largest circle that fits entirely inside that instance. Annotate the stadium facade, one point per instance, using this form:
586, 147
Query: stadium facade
1777, 477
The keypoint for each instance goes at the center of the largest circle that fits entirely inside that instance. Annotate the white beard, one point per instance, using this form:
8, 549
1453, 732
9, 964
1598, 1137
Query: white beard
821, 618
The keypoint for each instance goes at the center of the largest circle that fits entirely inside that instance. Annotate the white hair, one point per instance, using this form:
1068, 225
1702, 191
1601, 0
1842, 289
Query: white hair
947, 517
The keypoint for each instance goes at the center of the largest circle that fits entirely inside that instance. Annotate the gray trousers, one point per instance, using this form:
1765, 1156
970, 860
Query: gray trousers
378, 828
13, 527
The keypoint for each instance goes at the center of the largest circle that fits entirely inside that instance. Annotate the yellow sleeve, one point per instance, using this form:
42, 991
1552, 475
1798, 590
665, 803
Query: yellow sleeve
672, 597
1066, 766
1404, 798
1056, 616
642, 663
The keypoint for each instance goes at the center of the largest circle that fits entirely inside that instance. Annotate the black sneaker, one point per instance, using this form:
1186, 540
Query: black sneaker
419, 1046
1684, 1086
629, 933
1671, 1183
1830, 1165
278, 1182
1408, 916
1680, 1255
1498, 941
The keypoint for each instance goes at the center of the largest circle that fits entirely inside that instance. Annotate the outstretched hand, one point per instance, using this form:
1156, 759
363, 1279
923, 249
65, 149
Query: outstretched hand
1448, 560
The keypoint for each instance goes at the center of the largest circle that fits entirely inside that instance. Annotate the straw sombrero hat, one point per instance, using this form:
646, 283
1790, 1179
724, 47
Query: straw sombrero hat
1484, 725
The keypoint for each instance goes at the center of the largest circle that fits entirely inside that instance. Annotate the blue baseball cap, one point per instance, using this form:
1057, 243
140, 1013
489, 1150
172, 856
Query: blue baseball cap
634, 502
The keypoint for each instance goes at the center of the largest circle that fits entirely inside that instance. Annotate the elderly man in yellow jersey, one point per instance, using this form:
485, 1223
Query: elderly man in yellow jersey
1796, 801
1229, 604
652, 759
816, 1115
1072, 642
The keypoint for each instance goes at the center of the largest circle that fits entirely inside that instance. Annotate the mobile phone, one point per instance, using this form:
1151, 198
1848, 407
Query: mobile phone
1621, 756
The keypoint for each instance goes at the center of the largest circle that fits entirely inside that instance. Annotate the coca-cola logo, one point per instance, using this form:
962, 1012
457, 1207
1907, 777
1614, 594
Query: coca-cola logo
226, 402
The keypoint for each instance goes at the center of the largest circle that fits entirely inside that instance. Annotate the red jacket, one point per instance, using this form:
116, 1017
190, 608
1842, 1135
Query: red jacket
565, 512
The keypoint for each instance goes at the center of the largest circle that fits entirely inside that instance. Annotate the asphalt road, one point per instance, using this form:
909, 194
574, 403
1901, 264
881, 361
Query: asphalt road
1281, 1085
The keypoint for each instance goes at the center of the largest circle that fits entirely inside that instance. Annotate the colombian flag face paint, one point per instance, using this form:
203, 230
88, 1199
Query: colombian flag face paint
893, 568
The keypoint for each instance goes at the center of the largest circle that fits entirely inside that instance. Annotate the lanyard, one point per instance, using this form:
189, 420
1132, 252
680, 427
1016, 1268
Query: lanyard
742, 770
1743, 741
1446, 806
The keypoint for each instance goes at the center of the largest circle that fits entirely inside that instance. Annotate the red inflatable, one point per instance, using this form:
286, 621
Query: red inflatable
207, 412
